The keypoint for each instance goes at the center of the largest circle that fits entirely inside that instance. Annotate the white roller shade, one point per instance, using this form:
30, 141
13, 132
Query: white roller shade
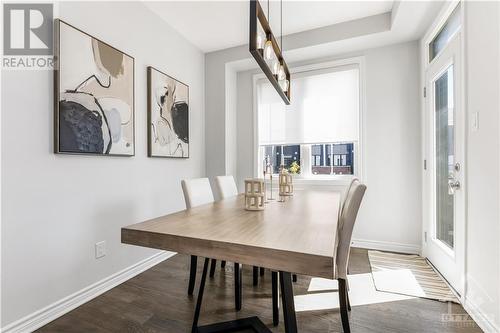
324, 108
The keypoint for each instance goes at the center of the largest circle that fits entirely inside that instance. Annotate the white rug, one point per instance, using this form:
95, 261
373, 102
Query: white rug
408, 275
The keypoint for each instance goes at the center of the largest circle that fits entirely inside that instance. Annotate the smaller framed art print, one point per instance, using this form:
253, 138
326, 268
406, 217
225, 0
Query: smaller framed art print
94, 95
168, 116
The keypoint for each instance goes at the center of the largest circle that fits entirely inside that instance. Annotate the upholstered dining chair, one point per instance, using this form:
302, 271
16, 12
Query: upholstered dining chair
226, 187
345, 227
197, 192
348, 212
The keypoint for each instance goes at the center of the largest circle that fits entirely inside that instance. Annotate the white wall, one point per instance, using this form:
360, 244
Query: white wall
482, 43
230, 122
390, 216
56, 207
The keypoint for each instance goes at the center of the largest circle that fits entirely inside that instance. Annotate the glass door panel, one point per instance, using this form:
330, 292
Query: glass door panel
445, 157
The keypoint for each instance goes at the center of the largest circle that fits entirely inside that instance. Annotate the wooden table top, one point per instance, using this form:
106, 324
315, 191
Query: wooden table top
298, 235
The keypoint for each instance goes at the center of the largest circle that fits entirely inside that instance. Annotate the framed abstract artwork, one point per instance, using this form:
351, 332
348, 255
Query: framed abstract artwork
94, 95
168, 116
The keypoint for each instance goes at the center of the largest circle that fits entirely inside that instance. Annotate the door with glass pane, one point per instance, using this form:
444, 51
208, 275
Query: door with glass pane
445, 156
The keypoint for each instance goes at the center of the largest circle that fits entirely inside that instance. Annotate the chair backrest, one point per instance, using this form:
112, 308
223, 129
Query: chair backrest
344, 195
346, 225
226, 186
197, 192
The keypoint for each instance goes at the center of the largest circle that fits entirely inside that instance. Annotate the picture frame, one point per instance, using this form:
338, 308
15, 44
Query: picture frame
94, 95
168, 115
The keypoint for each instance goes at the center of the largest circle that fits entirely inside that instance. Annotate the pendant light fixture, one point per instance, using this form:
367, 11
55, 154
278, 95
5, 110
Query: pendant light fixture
268, 47
282, 79
268, 53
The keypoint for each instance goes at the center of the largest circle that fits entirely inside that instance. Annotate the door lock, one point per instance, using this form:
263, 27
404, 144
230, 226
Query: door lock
453, 185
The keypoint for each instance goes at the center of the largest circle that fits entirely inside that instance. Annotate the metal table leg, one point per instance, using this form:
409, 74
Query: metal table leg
288, 303
250, 323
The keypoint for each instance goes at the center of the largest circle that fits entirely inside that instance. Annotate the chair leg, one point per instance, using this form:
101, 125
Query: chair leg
294, 277
262, 271
192, 274
237, 286
348, 301
213, 263
347, 293
276, 311
344, 314
223, 264
255, 275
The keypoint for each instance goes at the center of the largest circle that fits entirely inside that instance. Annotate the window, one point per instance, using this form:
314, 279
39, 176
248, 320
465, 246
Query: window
289, 156
339, 159
442, 38
318, 133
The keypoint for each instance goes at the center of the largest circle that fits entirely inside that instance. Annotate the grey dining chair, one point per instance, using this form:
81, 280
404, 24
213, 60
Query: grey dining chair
345, 227
347, 217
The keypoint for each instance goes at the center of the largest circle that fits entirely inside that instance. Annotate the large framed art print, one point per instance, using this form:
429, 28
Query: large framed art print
94, 95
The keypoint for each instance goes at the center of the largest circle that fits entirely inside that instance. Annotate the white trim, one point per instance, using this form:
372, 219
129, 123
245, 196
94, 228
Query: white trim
474, 305
360, 62
426, 143
386, 246
436, 27
55, 310
478, 316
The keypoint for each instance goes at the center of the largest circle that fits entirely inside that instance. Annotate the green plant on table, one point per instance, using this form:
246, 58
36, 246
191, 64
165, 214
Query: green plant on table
294, 168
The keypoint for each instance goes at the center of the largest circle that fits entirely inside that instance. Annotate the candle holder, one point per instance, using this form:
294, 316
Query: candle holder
269, 169
285, 184
254, 194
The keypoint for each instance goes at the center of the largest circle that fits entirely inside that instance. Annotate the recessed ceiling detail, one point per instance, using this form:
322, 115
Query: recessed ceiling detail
201, 22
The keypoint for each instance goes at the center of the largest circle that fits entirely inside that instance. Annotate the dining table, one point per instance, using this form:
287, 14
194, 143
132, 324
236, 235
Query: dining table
294, 235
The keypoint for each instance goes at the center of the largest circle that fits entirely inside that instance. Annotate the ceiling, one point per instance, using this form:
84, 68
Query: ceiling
215, 25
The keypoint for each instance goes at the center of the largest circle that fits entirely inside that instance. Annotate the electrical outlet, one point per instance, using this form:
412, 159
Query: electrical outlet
100, 249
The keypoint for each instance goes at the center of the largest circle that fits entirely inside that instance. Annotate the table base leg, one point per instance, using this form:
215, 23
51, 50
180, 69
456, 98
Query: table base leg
250, 323
197, 309
288, 303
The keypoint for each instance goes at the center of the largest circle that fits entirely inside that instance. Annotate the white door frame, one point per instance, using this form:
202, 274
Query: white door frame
427, 142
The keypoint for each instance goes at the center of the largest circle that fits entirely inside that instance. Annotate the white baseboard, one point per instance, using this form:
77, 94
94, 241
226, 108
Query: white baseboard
41, 317
386, 246
481, 320
476, 302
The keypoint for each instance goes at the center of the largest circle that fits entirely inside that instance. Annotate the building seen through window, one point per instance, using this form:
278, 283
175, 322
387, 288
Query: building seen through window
324, 159
288, 154
332, 159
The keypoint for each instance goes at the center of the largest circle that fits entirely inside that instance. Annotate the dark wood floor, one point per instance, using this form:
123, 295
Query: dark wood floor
157, 301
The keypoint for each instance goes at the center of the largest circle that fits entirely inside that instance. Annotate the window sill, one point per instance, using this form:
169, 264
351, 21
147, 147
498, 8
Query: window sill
318, 181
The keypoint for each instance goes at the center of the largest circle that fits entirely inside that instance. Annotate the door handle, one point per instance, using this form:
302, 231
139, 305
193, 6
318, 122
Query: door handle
453, 185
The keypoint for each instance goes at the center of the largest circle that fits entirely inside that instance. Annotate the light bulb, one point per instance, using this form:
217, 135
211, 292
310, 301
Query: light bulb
275, 66
284, 85
281, 73
260, 42
268, 50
